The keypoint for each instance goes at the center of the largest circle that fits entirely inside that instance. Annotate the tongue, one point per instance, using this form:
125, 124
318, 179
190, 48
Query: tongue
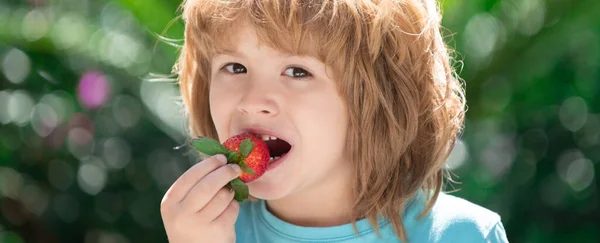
278, 147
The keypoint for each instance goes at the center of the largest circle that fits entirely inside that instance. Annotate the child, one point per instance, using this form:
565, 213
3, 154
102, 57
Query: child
362, 91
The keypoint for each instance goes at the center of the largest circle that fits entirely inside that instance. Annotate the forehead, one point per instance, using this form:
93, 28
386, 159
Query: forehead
233, 40
243, 36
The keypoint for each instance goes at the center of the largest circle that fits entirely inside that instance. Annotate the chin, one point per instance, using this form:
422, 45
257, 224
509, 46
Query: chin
277, 182
268, 187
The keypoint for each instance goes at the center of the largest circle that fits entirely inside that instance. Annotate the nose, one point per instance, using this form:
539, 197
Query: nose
258, 100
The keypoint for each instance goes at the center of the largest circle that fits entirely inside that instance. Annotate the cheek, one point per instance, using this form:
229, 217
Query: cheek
325, 122
338, 124
221, 106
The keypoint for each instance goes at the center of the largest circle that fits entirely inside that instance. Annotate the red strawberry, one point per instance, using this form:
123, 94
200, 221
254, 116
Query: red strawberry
257, 160
248, 151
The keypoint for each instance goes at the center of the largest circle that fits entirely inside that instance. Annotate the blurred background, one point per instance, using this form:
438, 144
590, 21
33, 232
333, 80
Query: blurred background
87, 132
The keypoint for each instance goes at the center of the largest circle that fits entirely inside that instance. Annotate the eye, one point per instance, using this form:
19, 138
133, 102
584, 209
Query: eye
235, 68
296, 72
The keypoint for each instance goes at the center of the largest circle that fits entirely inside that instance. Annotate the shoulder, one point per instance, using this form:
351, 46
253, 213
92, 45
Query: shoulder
450, 211
455, 219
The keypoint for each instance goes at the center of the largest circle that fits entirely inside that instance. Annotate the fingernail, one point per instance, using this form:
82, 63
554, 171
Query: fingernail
236, 168
221, 158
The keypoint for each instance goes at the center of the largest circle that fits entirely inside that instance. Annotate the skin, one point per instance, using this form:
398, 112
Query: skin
197, 207
255, 85
289, 95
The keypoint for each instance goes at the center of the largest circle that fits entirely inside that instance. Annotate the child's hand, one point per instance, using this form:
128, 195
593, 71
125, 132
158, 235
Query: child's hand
198, 207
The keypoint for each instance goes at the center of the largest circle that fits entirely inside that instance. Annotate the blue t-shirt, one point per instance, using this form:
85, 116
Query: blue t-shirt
452, 219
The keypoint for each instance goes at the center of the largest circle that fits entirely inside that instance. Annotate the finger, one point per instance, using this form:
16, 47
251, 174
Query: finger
229, 215
206, 188
217, 204
185, 182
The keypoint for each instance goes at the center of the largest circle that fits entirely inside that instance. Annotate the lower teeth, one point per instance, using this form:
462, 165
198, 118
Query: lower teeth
275, 158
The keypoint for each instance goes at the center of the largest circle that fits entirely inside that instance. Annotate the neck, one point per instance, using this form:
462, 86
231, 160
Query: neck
327, 204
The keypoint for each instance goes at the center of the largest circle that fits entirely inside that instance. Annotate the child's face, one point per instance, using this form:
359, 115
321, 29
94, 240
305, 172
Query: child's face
255, 87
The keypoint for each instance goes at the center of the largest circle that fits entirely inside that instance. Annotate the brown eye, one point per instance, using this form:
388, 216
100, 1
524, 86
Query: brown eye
296, 72
235, 68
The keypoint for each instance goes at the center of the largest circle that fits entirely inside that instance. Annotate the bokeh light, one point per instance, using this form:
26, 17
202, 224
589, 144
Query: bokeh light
93, 90
11, 182
61, 103
531, 15
35, 199
573, 113
127, 111
70, 31
160, 98
575, 170
4, 98
482, 35
35, 25
43, 119
91, 176
589, 135
498, 157
16, 66
116, 153
81, 135
19, 107
459, 155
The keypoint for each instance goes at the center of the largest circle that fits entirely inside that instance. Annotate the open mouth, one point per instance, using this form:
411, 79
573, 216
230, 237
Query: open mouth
277, 147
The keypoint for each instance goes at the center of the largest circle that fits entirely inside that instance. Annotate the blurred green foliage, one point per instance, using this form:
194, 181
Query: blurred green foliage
86, 139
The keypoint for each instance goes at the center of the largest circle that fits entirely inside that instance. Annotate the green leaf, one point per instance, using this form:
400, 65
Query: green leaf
246, 147
231, 156
208, 146
240, 188
245, 168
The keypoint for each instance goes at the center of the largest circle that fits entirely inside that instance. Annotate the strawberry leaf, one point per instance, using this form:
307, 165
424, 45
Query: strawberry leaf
208, 146
246, 147
240, 189
245, 168
231, 156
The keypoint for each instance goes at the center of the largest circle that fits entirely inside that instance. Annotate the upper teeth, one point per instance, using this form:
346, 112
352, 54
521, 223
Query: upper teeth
267, 138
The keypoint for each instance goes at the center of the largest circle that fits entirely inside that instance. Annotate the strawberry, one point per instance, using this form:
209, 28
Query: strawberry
257, 160
247, 150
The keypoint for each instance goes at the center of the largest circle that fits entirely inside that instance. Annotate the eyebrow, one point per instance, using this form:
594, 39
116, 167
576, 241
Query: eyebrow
230, 52
243, 55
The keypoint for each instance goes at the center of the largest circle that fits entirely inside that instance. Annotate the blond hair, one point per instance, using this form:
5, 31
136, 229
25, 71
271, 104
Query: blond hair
405, 103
